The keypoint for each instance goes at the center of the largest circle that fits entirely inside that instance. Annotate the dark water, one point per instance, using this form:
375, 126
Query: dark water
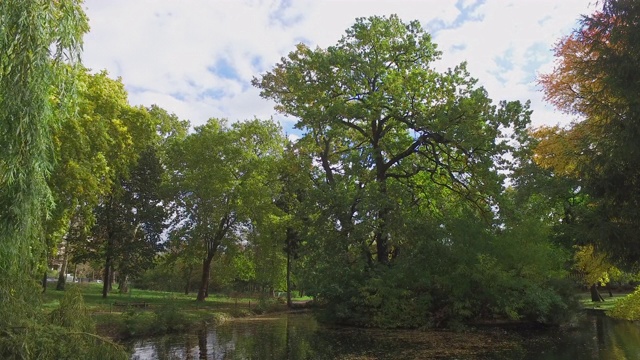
299, 336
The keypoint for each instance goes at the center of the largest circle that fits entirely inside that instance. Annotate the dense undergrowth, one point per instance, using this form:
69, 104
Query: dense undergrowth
67, 332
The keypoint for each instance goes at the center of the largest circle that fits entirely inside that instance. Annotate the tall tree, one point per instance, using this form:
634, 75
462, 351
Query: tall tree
132, 218
91, 147
137, 215
97, 151
389, 135
295, 182
224, 179
596, 79
40, 43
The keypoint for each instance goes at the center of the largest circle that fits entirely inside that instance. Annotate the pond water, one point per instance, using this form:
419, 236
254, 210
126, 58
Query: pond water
299, 336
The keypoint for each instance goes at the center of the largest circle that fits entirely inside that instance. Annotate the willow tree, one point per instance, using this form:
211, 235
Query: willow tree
40, 43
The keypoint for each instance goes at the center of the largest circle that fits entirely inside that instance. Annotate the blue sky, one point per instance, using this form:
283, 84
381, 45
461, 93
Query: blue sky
196, 58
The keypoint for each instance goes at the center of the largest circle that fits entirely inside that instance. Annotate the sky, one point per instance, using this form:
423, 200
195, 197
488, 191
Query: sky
196, 58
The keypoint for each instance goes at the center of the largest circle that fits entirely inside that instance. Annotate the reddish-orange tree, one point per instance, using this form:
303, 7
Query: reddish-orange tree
597, 78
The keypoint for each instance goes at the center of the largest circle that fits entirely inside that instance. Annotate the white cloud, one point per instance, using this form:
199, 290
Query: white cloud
525, 32
166, 51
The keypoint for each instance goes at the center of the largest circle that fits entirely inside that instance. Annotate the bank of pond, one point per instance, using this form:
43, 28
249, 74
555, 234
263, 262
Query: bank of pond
300, 336
153, 325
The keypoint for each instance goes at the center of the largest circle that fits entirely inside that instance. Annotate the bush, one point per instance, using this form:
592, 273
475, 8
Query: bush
219, 318
477, 274
267, 304
627, 308
138, 323
170, 318
240, 312
167, 318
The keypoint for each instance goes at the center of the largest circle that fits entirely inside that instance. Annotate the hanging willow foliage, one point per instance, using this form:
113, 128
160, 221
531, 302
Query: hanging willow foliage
40, 45
40, 42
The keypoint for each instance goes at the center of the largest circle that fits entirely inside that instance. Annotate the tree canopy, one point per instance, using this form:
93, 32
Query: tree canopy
402, 154
596, 79
224, 179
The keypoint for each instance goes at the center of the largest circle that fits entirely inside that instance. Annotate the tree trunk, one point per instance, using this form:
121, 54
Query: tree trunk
187, 286
595, 294
202, 343
123, 284
382, 238
106, 277
62, 278
381, 233
204, 284
112, 277
289, 303
206, 289
44, 281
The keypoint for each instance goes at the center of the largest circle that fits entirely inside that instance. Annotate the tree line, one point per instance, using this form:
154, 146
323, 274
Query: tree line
411, 199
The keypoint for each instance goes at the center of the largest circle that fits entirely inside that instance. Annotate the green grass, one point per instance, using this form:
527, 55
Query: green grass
608, 304
92, 294
166, 311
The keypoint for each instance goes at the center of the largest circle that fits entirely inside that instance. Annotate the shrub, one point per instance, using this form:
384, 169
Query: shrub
138, 323
170, 318
266, 304
627, 308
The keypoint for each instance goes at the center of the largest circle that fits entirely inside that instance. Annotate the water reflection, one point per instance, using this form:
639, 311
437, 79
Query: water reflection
282, 337
300, 337
595, 337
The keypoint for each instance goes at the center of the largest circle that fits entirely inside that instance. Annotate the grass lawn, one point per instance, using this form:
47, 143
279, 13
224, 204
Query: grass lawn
608, 304
92, 293
164, 310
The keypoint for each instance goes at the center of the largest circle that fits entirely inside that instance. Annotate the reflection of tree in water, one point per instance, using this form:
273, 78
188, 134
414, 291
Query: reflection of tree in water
202, 343
624, 338
615, 339
300, 337
593, 337
264, 338
281, 338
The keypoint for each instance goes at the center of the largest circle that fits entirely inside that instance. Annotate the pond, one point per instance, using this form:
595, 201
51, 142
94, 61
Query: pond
299, 336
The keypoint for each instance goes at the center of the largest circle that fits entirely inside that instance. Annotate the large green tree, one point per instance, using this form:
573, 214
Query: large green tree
131, 219
389, 134
97, 150
130, 222
295, 184
373, 106
92, 147
224, 178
